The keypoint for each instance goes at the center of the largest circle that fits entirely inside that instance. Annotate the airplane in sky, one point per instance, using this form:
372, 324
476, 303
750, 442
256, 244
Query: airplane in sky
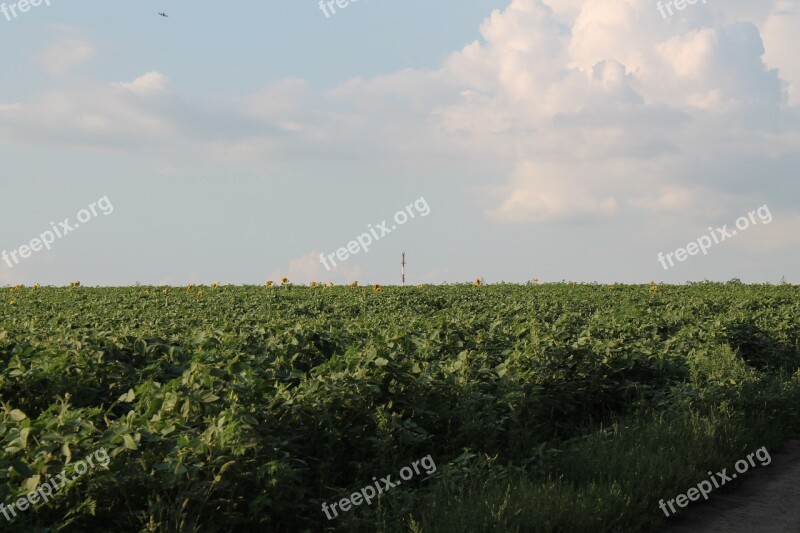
163, 14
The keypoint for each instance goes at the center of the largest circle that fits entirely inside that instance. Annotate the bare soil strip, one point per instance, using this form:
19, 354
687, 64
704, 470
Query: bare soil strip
767, 500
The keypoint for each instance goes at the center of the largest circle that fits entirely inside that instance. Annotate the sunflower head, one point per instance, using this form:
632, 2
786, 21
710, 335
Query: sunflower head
378, 288
199, 293
37, 286
313, 285
478, 282
269, 284
285, 280
75, 284
215, 285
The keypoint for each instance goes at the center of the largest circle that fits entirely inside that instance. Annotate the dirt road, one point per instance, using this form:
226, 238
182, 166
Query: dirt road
767, 501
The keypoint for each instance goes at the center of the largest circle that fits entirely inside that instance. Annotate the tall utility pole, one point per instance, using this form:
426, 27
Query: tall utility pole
403, 270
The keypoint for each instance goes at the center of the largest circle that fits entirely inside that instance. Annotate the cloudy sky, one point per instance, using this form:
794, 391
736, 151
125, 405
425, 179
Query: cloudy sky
559, 139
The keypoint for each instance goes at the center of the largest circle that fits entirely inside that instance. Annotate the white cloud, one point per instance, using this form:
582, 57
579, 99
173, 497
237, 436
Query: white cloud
308, 268
690, 54
145, 85
61, 57
540, 193
669, 200
596, 105
609, 103
779, 32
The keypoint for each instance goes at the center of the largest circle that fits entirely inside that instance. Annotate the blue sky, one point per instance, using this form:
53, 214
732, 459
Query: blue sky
558, 139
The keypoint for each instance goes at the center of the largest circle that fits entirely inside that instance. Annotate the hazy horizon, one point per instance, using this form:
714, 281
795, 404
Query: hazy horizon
558, 139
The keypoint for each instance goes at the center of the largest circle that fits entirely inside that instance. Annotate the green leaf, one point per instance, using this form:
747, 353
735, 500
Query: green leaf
22, 469
129, 442
65, 449
17, 415
23, 436
186, 409
128, 397
31, 483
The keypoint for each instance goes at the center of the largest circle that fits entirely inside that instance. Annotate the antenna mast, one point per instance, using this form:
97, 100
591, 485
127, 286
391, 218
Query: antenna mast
403, 270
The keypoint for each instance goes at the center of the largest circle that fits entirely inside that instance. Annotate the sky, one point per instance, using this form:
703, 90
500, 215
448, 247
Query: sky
590, 141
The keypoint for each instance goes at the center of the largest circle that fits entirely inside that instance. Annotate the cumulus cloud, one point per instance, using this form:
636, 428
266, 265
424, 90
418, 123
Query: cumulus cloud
308, 268
671, 199
586, 76
145, 85
94, 118
61, 57
779, 32
596, 106
550, 192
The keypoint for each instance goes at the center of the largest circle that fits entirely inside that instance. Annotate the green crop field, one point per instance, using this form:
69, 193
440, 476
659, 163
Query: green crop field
556, 407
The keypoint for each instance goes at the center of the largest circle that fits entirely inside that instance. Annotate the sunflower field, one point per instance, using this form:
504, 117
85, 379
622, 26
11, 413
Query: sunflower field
546, 407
